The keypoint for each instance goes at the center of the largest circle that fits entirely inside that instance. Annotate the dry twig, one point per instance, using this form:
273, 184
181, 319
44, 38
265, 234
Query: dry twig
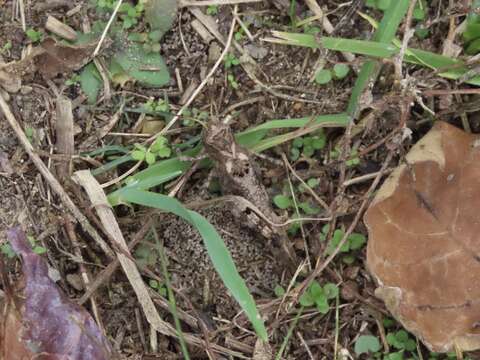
52, 181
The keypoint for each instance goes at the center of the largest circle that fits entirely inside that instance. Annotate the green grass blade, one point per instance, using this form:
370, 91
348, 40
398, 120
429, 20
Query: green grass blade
391, 21
252, 139
368, 71
112, 164
218, 252
360, 47
171, 297
383, 36
289, 334
115, 198
335, 120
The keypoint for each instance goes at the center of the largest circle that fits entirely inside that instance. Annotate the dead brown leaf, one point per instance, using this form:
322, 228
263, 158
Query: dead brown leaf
50, 58
424, 240
40, 322
59, 57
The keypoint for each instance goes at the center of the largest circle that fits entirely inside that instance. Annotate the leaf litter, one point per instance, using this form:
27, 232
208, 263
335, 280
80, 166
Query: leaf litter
423, 244
41, 322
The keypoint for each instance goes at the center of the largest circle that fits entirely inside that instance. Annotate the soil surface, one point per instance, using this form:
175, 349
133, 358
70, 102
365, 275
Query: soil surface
283, 88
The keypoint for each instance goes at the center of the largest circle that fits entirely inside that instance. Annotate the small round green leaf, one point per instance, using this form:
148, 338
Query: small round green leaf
153, 283
410, 345
356, 241
323, 77
306, 299
149, 158
138, 155
308, 151
294, 154
322, 305
331, 290
312, 182
348, 259
297, 142
366, 344
316, 290
282, 201
279, 291
418, 13
341, 70
164, 152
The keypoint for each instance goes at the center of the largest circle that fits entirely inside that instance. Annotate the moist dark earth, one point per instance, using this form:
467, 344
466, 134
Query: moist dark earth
27, 199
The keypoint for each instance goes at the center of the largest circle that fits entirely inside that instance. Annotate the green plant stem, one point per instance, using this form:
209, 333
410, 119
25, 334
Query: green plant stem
289, 334
384, 34
171, 297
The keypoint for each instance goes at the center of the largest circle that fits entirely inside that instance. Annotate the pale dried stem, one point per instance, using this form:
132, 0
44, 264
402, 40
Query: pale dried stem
107, 217
201, 86
105, 31
52, 181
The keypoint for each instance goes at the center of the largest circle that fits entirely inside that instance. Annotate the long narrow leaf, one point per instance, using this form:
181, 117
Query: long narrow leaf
218, 252
252, 139
383, 36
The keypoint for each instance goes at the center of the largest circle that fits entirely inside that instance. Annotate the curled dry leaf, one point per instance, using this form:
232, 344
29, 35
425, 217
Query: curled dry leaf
59, 57
424, 240
50, 58
41, 322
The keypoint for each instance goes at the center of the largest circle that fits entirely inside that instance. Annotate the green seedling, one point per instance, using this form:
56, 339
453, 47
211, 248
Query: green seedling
318, 296
130, 14
212, 10
29, 133
159, 149
240, 34
339, 71
354, 242
33, 35
5, 48
230, 61
160, 288
323, 77
279, 291
367, 344
312, 30
193, 115
106, 4
75, 79
37, 249
307, 145
352, 160
232, 81
286, 202
159, 105
471, 34
145, 256
312, 183
150, 40
134, 56
7, 250
401, 340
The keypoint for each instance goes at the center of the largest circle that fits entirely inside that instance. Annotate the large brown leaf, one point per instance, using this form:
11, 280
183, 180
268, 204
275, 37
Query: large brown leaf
424, 240
41, 322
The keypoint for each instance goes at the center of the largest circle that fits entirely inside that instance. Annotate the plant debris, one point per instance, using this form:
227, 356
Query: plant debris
38, 312
423, 243
239, 175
